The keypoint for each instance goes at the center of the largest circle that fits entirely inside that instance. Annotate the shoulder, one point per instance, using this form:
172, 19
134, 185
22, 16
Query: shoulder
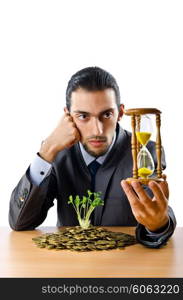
123, 136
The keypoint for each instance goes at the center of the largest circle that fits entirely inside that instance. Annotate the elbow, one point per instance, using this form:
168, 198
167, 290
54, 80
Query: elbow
16, 226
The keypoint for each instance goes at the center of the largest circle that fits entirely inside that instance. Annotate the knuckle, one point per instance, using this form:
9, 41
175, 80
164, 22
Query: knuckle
145, 199
154, 213
165, 204
68, 119
138, 216
127, 190
137, 187
135, 205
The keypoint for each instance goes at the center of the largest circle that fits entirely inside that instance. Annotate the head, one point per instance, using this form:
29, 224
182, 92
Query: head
93, 100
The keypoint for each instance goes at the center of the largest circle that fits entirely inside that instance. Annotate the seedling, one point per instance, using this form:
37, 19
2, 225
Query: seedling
85, 206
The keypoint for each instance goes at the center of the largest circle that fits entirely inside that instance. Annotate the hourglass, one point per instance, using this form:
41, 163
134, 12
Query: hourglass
145, 163
142, 129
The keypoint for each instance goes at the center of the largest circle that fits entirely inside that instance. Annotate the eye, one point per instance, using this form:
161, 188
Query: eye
107, 115
82, 117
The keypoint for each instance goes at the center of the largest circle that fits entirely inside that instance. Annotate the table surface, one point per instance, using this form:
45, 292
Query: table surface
20, 257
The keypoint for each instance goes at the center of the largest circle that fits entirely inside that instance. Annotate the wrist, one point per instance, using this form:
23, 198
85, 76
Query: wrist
160, 227
48, 151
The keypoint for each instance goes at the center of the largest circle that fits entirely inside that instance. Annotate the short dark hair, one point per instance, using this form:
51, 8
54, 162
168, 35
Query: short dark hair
92, 79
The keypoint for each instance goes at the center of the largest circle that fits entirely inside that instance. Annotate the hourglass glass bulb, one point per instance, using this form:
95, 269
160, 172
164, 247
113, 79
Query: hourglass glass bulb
145, 162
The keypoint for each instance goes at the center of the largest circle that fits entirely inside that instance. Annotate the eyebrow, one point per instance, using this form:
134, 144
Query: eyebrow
88, 113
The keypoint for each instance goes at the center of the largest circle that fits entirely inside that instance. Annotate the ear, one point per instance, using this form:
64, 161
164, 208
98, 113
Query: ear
121, 111
66, 110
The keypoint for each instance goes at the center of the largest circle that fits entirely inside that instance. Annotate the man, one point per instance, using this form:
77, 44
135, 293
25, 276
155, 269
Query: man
89, 133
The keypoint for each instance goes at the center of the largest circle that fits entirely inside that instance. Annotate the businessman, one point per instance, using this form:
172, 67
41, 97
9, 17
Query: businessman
89, 150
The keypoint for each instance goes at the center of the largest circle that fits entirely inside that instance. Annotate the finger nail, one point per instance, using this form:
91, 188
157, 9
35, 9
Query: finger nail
151, 183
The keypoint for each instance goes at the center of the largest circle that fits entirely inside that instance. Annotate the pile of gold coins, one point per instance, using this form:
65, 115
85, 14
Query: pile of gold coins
79, 239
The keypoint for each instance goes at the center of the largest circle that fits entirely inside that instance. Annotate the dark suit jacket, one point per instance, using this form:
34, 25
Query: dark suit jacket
29, 204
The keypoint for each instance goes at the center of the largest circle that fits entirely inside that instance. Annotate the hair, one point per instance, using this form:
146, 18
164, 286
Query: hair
92, 79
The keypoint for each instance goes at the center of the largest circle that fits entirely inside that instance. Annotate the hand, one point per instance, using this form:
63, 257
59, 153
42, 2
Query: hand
152, 213
64, 136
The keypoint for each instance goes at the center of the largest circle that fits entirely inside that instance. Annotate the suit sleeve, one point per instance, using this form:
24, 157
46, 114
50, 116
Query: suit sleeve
39, 170
156, 240
30, 203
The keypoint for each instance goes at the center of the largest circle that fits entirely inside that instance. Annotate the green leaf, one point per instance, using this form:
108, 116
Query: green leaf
70, 199
77, 201
97, 202
89, 193
84, 200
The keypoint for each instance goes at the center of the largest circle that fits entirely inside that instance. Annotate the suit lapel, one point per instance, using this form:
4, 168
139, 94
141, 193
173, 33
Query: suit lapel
102, 181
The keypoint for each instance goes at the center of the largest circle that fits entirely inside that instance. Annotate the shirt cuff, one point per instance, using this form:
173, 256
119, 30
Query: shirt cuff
39, 170
159, 233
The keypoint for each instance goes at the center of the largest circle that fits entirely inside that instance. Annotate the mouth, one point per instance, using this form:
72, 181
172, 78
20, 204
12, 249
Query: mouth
96, 143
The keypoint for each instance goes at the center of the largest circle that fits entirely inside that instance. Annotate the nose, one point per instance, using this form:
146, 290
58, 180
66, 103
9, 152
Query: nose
96, 127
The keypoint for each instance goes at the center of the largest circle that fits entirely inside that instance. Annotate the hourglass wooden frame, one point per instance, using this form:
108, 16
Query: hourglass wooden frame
136, 114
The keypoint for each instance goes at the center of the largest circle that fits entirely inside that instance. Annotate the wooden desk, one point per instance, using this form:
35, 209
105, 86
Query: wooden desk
20, 257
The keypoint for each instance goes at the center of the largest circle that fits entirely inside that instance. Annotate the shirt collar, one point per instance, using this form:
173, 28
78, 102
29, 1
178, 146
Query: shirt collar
88, 158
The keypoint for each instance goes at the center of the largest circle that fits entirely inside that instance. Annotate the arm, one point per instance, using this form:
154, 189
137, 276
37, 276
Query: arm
29, 203
31, 200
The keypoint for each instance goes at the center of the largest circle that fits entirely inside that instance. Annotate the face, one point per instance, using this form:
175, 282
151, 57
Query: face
95, 114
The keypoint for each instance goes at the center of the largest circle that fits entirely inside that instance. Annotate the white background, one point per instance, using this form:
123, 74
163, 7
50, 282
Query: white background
42, 43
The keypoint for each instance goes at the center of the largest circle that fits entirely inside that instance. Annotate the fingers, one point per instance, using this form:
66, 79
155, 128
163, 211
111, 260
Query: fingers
75, 131
159, 191
158, 194
132, 197
152, 214
135, 188
143, 197
68, 117
165, 189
